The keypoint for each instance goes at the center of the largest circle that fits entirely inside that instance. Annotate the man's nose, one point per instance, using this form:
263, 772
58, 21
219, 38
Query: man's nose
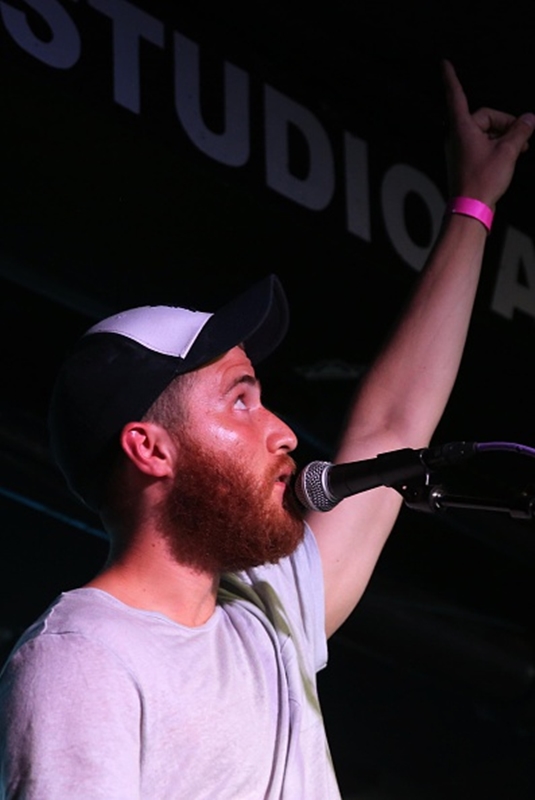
280, 435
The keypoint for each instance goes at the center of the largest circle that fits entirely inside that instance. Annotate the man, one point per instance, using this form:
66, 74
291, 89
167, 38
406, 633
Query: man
186, 668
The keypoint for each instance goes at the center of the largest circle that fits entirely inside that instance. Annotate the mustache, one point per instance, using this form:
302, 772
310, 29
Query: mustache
285, 467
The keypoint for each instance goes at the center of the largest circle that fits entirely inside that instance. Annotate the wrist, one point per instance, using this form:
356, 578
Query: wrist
469, 207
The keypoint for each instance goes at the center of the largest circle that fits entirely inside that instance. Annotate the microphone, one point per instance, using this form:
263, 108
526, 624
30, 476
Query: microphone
321, 485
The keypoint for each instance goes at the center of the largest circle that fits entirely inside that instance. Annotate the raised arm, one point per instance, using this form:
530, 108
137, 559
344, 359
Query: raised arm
403, 396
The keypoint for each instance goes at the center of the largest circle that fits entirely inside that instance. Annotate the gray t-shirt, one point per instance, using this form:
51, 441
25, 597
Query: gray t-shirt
101, 701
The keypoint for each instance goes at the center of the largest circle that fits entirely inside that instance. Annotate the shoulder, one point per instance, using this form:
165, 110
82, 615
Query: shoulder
84, 635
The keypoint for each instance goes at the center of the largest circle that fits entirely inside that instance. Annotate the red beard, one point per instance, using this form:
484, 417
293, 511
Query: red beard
219, 517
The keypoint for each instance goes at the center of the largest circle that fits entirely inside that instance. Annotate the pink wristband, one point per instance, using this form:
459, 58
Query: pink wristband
471, 208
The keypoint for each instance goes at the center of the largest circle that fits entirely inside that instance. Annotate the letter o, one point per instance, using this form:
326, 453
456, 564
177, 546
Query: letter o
398, 182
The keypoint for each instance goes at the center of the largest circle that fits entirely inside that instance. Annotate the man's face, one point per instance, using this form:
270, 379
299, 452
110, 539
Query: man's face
230, 506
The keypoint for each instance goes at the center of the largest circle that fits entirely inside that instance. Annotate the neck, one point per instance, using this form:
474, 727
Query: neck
145, 576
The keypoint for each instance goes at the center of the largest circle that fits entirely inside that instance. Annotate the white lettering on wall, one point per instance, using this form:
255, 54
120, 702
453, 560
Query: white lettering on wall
398, 182
231, 147
62, 50
515, 284
357, 187
315, 186
130, 25
315, 190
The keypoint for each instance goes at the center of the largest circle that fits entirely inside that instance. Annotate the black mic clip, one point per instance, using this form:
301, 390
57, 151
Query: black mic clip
431, 498
417, 490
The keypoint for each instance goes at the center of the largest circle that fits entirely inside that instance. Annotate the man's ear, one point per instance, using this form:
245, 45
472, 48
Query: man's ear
149, 447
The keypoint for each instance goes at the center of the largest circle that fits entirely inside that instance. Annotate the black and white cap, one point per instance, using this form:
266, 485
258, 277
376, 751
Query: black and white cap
122, 364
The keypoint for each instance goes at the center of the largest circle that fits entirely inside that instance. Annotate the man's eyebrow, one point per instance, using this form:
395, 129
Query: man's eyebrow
248, 380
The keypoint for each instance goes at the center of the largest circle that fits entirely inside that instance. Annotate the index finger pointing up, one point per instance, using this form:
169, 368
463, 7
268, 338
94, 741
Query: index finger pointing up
455, 97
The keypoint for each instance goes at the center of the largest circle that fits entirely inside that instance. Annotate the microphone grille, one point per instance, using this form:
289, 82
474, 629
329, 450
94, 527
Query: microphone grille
309, 488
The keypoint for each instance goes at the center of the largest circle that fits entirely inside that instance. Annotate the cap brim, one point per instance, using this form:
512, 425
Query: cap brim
258, 318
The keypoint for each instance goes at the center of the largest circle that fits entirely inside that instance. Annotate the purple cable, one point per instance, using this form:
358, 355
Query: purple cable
512, 446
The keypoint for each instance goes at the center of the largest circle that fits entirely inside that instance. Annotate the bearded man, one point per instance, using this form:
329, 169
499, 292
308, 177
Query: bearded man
187, 667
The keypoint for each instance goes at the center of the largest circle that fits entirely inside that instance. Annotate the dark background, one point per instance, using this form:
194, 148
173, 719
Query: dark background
429, 691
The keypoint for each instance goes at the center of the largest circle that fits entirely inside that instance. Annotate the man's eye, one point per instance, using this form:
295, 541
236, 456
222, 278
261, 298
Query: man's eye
240, 402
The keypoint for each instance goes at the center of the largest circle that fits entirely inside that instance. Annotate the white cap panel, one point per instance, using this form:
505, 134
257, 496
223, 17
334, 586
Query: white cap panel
169, 330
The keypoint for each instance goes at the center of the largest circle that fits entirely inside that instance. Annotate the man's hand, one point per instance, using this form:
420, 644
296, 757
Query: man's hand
483, 147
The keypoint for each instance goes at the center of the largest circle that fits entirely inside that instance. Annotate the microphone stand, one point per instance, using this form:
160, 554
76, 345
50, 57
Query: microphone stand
436, 498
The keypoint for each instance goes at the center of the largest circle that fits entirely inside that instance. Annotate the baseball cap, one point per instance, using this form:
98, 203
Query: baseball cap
121, 365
